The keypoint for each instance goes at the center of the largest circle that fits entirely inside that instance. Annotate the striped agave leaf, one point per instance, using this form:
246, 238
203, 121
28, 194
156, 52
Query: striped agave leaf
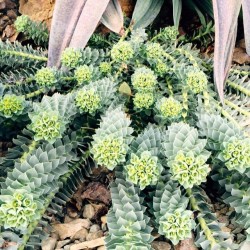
225, 17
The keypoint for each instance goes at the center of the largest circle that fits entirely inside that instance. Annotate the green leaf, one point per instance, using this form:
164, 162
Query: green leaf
113, 16
145, 12
225, 17
125, 89
177, 7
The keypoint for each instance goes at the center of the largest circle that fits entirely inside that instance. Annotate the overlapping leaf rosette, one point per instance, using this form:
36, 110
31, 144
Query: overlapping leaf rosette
173, 219
25, 189
127, 222
96, 96
186, 155
144, 166
229, 143
51, 116
111, 140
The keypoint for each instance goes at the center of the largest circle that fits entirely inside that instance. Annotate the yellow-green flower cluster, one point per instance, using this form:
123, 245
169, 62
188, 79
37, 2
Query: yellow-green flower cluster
71, 57
105, 67
154, 51
144, 79
188, 169
176, 226
143, 170
169, 108
47, 126
109, 152
161, 68
196, 80
236, 154
17, 211
83, 74
143, 100
22, 23
11, 105
122, 51
171, 33
45, 77
87, 100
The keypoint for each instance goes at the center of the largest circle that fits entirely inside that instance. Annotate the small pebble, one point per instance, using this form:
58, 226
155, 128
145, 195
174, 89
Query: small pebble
94, 228
95, 235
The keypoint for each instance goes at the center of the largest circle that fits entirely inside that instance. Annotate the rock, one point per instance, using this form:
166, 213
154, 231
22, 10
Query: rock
100, 210
7, 4
94, 236
38, 10
104, 219
11, 14
187, 244
9, 31
245, 246
61, 244
72, 212
240, 56
102, 248
49, 244
226, 230
68, 230
67, 219
97, 192
223, 219
104, 227
94, 228
161, 245
88, 212
81, 235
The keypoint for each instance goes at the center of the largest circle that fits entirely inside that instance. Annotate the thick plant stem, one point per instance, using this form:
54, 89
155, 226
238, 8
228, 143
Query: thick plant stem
35, 93
47, 202
238, 87
239, 109
201, 221
26, 55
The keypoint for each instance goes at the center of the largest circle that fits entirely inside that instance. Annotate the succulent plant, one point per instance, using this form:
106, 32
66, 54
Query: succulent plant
143, 100
144, 79
87, 100
122, 51
143, 170
22, 23
11, 105
168, 108
45, 77
161, 68
83, 74
196, 80
105, 67
154, 51
71, 57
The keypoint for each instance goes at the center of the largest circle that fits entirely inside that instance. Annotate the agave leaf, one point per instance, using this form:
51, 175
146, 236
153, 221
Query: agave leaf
88, 20
177, 7
145, 12
65, 17
225, 18
113, 16
246, 18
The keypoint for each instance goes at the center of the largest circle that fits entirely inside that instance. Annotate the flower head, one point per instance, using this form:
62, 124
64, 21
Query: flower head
109, 152
143, 100
105, 67
154, 51
188, 169
122, 51
47, 126
236, 154
143, 170
169, 108
45, 77
87, 100
22, 23
17, 211
176, 226
144, 79
11, 105
171, 33
83, 74
161, 68
196, 80
71, 57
